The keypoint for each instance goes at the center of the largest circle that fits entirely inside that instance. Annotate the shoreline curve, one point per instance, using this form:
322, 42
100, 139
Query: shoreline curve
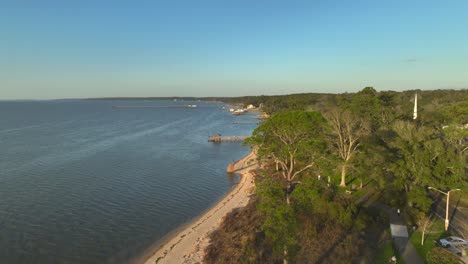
188, 244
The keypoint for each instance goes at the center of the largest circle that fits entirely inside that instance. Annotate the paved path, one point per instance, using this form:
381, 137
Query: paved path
400, 237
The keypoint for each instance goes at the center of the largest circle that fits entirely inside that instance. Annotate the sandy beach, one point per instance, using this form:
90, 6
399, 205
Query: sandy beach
188, 245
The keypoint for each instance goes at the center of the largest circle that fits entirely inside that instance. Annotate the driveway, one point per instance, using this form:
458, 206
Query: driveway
400, 236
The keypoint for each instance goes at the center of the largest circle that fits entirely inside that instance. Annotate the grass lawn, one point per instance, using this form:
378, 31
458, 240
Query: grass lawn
434, 232
386, 252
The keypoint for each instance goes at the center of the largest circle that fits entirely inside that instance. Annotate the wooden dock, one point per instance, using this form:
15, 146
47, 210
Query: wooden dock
219, 138
246, 122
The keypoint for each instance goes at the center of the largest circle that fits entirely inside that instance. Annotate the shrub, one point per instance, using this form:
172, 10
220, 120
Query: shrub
439, 255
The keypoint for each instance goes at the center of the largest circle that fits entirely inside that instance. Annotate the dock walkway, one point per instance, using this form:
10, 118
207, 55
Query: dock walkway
219, 138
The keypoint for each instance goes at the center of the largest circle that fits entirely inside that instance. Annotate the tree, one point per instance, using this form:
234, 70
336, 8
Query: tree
424, 221
366, 105
293, 139
347, 130
423, 157
280, 222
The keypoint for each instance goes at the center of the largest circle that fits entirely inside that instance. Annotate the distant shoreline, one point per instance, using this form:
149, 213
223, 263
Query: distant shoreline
188, 244
162, 106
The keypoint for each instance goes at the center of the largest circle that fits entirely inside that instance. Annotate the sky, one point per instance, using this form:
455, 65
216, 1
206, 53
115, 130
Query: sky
82, 49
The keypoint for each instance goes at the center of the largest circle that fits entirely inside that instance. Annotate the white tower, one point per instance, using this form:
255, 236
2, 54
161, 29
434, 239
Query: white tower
415, 112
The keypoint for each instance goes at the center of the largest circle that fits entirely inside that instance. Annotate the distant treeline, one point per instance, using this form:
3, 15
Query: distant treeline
320, 101
205, 99
429, 100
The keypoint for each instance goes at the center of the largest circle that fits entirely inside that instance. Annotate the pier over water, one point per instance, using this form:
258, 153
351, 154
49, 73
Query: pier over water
219, 138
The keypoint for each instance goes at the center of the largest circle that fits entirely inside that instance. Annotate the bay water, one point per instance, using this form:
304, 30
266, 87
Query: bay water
84, 182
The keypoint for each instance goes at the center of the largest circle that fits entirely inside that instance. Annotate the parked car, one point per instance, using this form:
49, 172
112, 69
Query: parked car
453, 241
455, 250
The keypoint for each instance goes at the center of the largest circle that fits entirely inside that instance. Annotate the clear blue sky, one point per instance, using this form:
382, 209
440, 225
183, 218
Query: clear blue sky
74, 49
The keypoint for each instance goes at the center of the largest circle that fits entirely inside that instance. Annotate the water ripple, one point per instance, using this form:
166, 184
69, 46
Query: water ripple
83, 183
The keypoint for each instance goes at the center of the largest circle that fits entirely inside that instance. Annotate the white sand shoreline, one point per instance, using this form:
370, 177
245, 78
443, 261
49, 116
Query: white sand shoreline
189, 243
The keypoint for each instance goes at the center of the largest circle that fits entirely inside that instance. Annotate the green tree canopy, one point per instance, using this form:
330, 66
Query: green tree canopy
424, 158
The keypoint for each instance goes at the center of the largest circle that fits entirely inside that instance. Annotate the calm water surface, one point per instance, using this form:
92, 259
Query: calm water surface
82, 182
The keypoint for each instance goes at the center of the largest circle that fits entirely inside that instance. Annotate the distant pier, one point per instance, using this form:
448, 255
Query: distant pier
219, 138
246, 122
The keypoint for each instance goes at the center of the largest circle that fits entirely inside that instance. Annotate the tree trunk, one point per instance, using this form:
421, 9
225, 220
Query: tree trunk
426, 224
343, 176
422, 238
285, 261
288, 202
288, 190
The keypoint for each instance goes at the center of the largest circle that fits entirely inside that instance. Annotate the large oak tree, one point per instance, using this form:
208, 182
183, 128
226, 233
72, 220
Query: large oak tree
294, 140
